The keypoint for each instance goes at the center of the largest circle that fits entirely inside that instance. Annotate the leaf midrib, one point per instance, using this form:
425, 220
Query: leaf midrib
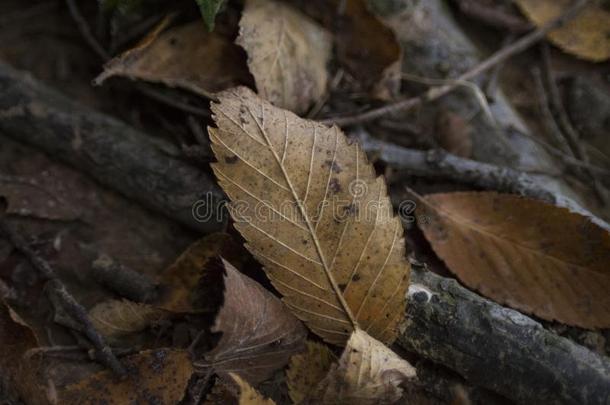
312, 232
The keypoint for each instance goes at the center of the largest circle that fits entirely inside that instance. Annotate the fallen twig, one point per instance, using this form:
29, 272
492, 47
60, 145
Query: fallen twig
112, 152
77, 311
493, 17
438, 163
436, 92
450, 325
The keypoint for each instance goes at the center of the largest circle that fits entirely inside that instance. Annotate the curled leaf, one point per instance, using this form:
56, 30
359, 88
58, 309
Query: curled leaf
524, 253
314, 214
287, 54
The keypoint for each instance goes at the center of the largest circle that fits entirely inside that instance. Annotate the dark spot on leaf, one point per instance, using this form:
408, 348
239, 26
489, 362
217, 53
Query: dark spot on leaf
334, 185
230, 159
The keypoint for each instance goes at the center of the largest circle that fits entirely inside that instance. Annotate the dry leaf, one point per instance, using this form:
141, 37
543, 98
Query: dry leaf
367, 373
30, 196
307, 370
287, 54
179, 281
154, 377
313, 212
248, 395
366, 47
369, 49
586, 36
116, 318
188, 57
524, 253
258, 333
453, 133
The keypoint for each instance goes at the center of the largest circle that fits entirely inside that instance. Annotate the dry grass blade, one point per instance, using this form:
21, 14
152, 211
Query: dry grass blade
313, 212
527, 254
287, 54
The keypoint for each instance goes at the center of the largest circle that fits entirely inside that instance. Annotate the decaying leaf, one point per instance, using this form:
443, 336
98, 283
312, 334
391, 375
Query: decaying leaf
369, 49
187, 57
287, 54
586, 36
258, 333
115, 318
30, 196
524, 253
365, 46
179, 281
248, 395
367, 373
313, 212
307, 370
155, 376
209, 9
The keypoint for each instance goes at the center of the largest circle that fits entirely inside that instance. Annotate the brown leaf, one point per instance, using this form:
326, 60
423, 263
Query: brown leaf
453, 133
287, 54
524, 253
180, 280
258, 333
116, 318
307, 370
369, 49
155, 376
31, 196
586, 36
367, 373
248, 395
366, 47
314, 213
188, 57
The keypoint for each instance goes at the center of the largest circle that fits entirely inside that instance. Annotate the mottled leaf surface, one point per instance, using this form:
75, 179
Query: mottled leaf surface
314, 214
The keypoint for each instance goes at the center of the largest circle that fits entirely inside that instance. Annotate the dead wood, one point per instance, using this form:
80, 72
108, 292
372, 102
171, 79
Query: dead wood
115, 154
499, 348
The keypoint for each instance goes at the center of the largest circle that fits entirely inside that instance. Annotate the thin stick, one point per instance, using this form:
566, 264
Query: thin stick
567, 129
76, 310
437, 92
491, 16
86, 31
